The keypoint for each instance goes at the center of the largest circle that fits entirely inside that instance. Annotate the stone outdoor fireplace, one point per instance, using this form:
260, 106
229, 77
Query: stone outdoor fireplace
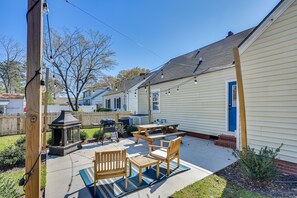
65, 134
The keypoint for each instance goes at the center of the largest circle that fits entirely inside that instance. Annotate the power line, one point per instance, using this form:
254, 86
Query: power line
115, 30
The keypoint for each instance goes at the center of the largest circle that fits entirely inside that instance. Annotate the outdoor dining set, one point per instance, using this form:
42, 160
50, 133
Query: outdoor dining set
115, 163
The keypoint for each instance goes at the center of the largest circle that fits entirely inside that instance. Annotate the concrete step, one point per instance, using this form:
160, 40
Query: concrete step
229, 138
225, 143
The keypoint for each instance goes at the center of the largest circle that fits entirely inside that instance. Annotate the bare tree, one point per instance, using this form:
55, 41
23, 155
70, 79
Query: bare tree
106, 81
79, 59
12, 67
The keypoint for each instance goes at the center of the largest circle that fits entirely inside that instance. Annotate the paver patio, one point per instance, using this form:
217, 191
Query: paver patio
202, 156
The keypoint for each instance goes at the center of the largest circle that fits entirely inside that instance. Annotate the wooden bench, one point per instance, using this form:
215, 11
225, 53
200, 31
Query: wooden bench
153, 137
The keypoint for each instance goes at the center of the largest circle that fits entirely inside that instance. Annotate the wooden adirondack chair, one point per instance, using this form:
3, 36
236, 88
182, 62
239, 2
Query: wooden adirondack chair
167, 154
110, 164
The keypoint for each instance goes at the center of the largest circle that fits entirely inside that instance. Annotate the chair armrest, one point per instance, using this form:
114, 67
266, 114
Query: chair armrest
155, 146
161, 142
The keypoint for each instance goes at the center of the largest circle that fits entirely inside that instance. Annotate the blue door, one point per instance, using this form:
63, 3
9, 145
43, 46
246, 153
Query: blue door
232, 102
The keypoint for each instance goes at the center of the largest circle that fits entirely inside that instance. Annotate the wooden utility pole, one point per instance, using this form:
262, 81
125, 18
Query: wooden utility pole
33, 97
241, 99
45, 101
149, 102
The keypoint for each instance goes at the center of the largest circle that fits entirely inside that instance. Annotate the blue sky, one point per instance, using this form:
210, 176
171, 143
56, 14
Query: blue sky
167, 27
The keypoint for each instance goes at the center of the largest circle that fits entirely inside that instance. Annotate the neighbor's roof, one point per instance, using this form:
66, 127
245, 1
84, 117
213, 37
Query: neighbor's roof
96, 93
128, 84
214, 57
12, 96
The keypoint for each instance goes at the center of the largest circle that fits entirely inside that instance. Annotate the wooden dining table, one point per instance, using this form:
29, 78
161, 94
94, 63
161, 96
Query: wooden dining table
145, 131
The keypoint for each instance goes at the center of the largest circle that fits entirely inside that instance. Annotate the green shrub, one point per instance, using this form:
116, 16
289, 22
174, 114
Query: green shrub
49, 141
101, 109
13, 155
83, 135
97, 134
120, 129
8, 188
21, 142
131, 129
259, 166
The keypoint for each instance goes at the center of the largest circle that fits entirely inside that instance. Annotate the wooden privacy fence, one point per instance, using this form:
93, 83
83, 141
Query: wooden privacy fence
15, 124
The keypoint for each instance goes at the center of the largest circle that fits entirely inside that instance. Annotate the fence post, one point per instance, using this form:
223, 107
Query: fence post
117, 117
80, 118
18, 123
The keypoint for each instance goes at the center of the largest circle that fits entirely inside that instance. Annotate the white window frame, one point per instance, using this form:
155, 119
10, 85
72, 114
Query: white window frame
159, 100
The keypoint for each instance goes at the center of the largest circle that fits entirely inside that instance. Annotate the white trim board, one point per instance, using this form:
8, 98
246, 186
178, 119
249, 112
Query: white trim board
284, 5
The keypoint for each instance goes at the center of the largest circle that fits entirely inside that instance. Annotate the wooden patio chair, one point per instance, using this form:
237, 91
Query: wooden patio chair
167, 154
110, 164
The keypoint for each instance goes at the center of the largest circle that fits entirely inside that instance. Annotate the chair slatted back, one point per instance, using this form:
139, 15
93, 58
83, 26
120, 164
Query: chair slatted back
174, 147
109, 161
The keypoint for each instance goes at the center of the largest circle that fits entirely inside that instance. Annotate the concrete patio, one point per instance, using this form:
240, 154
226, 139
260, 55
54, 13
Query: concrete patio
202, 156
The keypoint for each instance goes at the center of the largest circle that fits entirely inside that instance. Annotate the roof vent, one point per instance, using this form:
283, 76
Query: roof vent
196, 54
230, 33
199, 63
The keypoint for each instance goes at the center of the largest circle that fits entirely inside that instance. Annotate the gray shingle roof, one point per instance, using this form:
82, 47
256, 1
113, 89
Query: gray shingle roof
216, 55
97, 93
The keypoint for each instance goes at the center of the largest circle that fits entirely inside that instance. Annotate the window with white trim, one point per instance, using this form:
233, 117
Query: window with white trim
155, 101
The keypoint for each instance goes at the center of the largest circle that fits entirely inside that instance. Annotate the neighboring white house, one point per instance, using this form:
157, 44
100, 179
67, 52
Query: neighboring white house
94, 97
125, 95
11, 103
269, 73
198, 89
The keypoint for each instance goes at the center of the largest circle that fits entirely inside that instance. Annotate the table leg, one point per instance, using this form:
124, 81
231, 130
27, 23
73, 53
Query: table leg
158, 170
136, 140
146, 169
140, 176
130, 168
175, 129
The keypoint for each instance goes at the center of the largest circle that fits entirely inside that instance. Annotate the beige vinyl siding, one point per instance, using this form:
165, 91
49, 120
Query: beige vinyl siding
269, 68
198, 108
142, 101
132, 101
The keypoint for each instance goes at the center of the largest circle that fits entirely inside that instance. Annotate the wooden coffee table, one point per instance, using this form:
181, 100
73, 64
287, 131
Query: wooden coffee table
143, 161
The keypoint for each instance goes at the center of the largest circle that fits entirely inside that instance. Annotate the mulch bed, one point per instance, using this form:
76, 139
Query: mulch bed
283, 185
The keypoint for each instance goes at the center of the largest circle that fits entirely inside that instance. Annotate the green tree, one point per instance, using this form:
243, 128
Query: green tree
110, 81
132, 73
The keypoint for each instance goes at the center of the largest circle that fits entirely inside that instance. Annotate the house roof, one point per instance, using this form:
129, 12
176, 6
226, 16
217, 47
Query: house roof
128, 84
11, 96
97, 93
215, 56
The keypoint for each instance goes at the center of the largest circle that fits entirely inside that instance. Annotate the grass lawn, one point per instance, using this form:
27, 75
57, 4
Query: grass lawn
8, 140
214, 186
11, 139
91, 132
16, 175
